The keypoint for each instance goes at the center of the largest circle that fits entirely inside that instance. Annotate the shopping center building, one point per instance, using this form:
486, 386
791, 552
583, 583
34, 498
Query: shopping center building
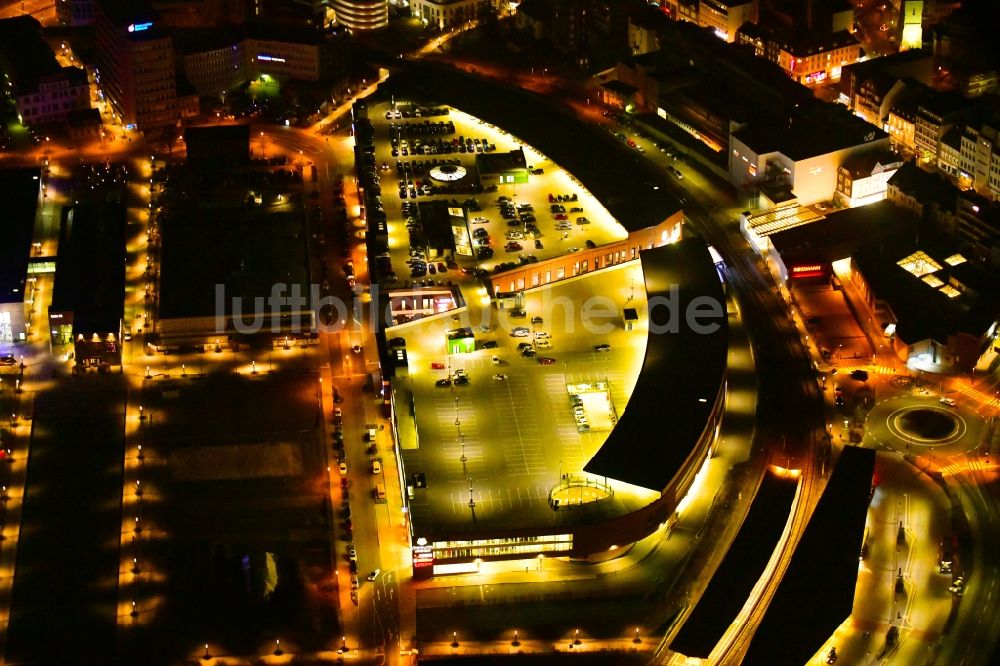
494, 467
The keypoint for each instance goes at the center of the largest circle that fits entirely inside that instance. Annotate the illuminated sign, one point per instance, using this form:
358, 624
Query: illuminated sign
816, 77
139, 27
267, 58
809, 270
423, 556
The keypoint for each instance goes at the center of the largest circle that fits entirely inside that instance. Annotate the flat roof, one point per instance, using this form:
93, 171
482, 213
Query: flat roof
732, 583
816, 594
90, 267
816, 129
212, 239
500, 162
20, 188
621, 180
959, 298
841, 233
681, 374
29, 56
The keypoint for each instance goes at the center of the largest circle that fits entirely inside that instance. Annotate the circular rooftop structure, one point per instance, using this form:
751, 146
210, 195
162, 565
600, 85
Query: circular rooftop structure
448, 173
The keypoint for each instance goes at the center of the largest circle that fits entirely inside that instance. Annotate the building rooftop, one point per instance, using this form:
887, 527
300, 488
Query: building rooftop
212, 236
20, 188
925, 186
90, 267
732, 583
864, 164
501, 162
24, 55
933, 290
681, 375
810, 131
895, 64
824, 566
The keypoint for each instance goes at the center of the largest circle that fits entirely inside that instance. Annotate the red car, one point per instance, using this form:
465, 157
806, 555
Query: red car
513, 247
437, 365
561, 216
546, 360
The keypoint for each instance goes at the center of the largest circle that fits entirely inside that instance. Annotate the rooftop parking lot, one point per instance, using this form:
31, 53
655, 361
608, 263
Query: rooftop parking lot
517, 221
520, 428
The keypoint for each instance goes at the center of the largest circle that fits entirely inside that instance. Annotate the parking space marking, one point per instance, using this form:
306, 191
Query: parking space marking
500, 499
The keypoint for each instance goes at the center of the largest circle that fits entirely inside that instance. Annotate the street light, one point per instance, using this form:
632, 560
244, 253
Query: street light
515, 642
454, 639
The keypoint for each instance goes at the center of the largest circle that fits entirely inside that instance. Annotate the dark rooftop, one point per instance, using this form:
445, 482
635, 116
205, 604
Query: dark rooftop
24, 54
740, 569
923, 310
863, 164
842, 233
814, 130
816, 593
90, 268
666, 416
210, 239
927, 187
500, 162
20, 188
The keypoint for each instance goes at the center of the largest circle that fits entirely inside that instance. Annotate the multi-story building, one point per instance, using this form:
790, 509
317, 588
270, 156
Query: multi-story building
799, 159
807, 57
214, 61
448, 13
219, 60
725, 17
136, 66
970, 152
75, 12
864, 179
644, 29
45, 92
361, 14
913, 65
22, 197
935, 115
562, 23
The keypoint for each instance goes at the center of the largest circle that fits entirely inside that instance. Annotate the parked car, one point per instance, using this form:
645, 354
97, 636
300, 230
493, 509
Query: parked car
546, 360
520, 332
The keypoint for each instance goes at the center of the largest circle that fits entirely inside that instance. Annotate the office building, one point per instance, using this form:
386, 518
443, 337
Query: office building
443, 14
136, 67
725, 17
361, 14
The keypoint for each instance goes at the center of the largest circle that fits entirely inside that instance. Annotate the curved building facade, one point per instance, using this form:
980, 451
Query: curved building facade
362, 14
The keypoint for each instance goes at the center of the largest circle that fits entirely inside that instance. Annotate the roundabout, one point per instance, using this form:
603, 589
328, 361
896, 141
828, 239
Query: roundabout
916, 421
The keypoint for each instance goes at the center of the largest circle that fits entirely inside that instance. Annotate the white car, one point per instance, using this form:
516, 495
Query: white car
480, 220
948, 401
499, 378
542, 335
543, 344
514, 235
343, 469
520, 332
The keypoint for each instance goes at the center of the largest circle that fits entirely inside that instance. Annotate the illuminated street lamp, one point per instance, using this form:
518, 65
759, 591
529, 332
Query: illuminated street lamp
454, 639
515, 642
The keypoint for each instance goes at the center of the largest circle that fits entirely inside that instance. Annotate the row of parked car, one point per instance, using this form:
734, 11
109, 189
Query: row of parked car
417, 112
425, 128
